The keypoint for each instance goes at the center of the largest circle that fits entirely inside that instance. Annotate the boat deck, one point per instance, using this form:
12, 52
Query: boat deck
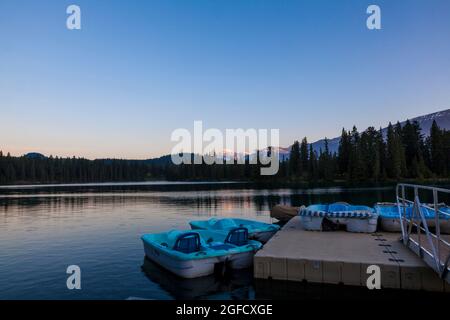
341, 257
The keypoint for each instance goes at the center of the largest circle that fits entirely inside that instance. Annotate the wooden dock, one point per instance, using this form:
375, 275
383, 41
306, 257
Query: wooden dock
340, 257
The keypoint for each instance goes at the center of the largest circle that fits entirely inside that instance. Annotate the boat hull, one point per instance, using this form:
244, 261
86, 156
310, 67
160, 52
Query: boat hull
284, 213
390, 224
241, 260
182, 268
263, 236
311, 223
393, 225
445, 226
197, 267
362, 225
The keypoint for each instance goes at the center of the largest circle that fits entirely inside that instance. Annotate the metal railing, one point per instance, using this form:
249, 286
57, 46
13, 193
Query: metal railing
432, 247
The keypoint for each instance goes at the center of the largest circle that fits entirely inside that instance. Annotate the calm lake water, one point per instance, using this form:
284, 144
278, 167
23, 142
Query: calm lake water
43, 230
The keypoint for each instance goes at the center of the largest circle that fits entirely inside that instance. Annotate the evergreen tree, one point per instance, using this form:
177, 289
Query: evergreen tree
356, 165
325, 164
344, 152
436, 146
369, 152
294, 160
393, 153
382, 154
312, 164
412, 141
304, 155
401, 148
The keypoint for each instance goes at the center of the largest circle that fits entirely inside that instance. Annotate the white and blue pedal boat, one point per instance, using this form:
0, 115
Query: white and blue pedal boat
356, 218
390, 215
192, 254
258, 231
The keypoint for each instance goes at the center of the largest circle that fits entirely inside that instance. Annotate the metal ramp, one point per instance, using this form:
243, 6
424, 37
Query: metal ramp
432, 246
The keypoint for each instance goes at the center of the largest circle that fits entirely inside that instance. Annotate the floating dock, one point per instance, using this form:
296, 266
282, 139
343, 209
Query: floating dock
340, 257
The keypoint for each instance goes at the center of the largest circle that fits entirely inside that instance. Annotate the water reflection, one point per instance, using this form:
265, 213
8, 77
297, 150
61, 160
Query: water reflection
204, 202
234, 285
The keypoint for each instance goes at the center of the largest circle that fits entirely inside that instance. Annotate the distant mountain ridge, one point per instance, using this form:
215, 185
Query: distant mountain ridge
442, 119
35, 155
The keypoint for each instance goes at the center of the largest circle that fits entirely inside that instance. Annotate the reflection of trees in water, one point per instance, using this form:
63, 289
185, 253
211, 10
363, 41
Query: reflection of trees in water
59, 204
124, 188
209, 202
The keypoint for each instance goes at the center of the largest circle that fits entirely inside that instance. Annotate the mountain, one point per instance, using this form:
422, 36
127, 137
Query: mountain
167, 159
283, 153
442, 119
34, 155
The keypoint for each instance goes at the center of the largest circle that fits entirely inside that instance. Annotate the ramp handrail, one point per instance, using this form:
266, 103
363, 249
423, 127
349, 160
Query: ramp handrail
433, 249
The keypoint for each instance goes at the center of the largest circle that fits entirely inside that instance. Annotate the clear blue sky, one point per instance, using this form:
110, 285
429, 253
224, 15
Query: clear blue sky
140, 69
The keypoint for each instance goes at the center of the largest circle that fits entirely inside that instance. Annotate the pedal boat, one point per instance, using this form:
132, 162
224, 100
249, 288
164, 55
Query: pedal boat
258, 231
389, 215
192, 254
284, 213
390, 219
444, 217
356, 218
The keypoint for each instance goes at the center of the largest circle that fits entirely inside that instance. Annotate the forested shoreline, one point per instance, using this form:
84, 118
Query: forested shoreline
362, 157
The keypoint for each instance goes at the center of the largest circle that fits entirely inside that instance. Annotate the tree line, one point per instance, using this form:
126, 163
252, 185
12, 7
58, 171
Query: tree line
400, 153
370, 156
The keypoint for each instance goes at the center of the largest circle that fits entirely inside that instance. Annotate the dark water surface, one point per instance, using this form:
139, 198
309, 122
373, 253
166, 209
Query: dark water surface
43, 230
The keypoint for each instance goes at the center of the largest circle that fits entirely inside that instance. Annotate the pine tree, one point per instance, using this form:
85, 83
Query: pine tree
369, 153
401, 150
356, 165
294, 160
304, 155
344, 152
436, 146
412, 141
312, 164
393, 153
446, 153
382, 154
325, 163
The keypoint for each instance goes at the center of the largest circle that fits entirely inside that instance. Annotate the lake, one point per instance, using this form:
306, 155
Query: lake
44, 229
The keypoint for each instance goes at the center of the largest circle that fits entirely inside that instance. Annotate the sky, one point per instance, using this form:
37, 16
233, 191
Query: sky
138, 70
